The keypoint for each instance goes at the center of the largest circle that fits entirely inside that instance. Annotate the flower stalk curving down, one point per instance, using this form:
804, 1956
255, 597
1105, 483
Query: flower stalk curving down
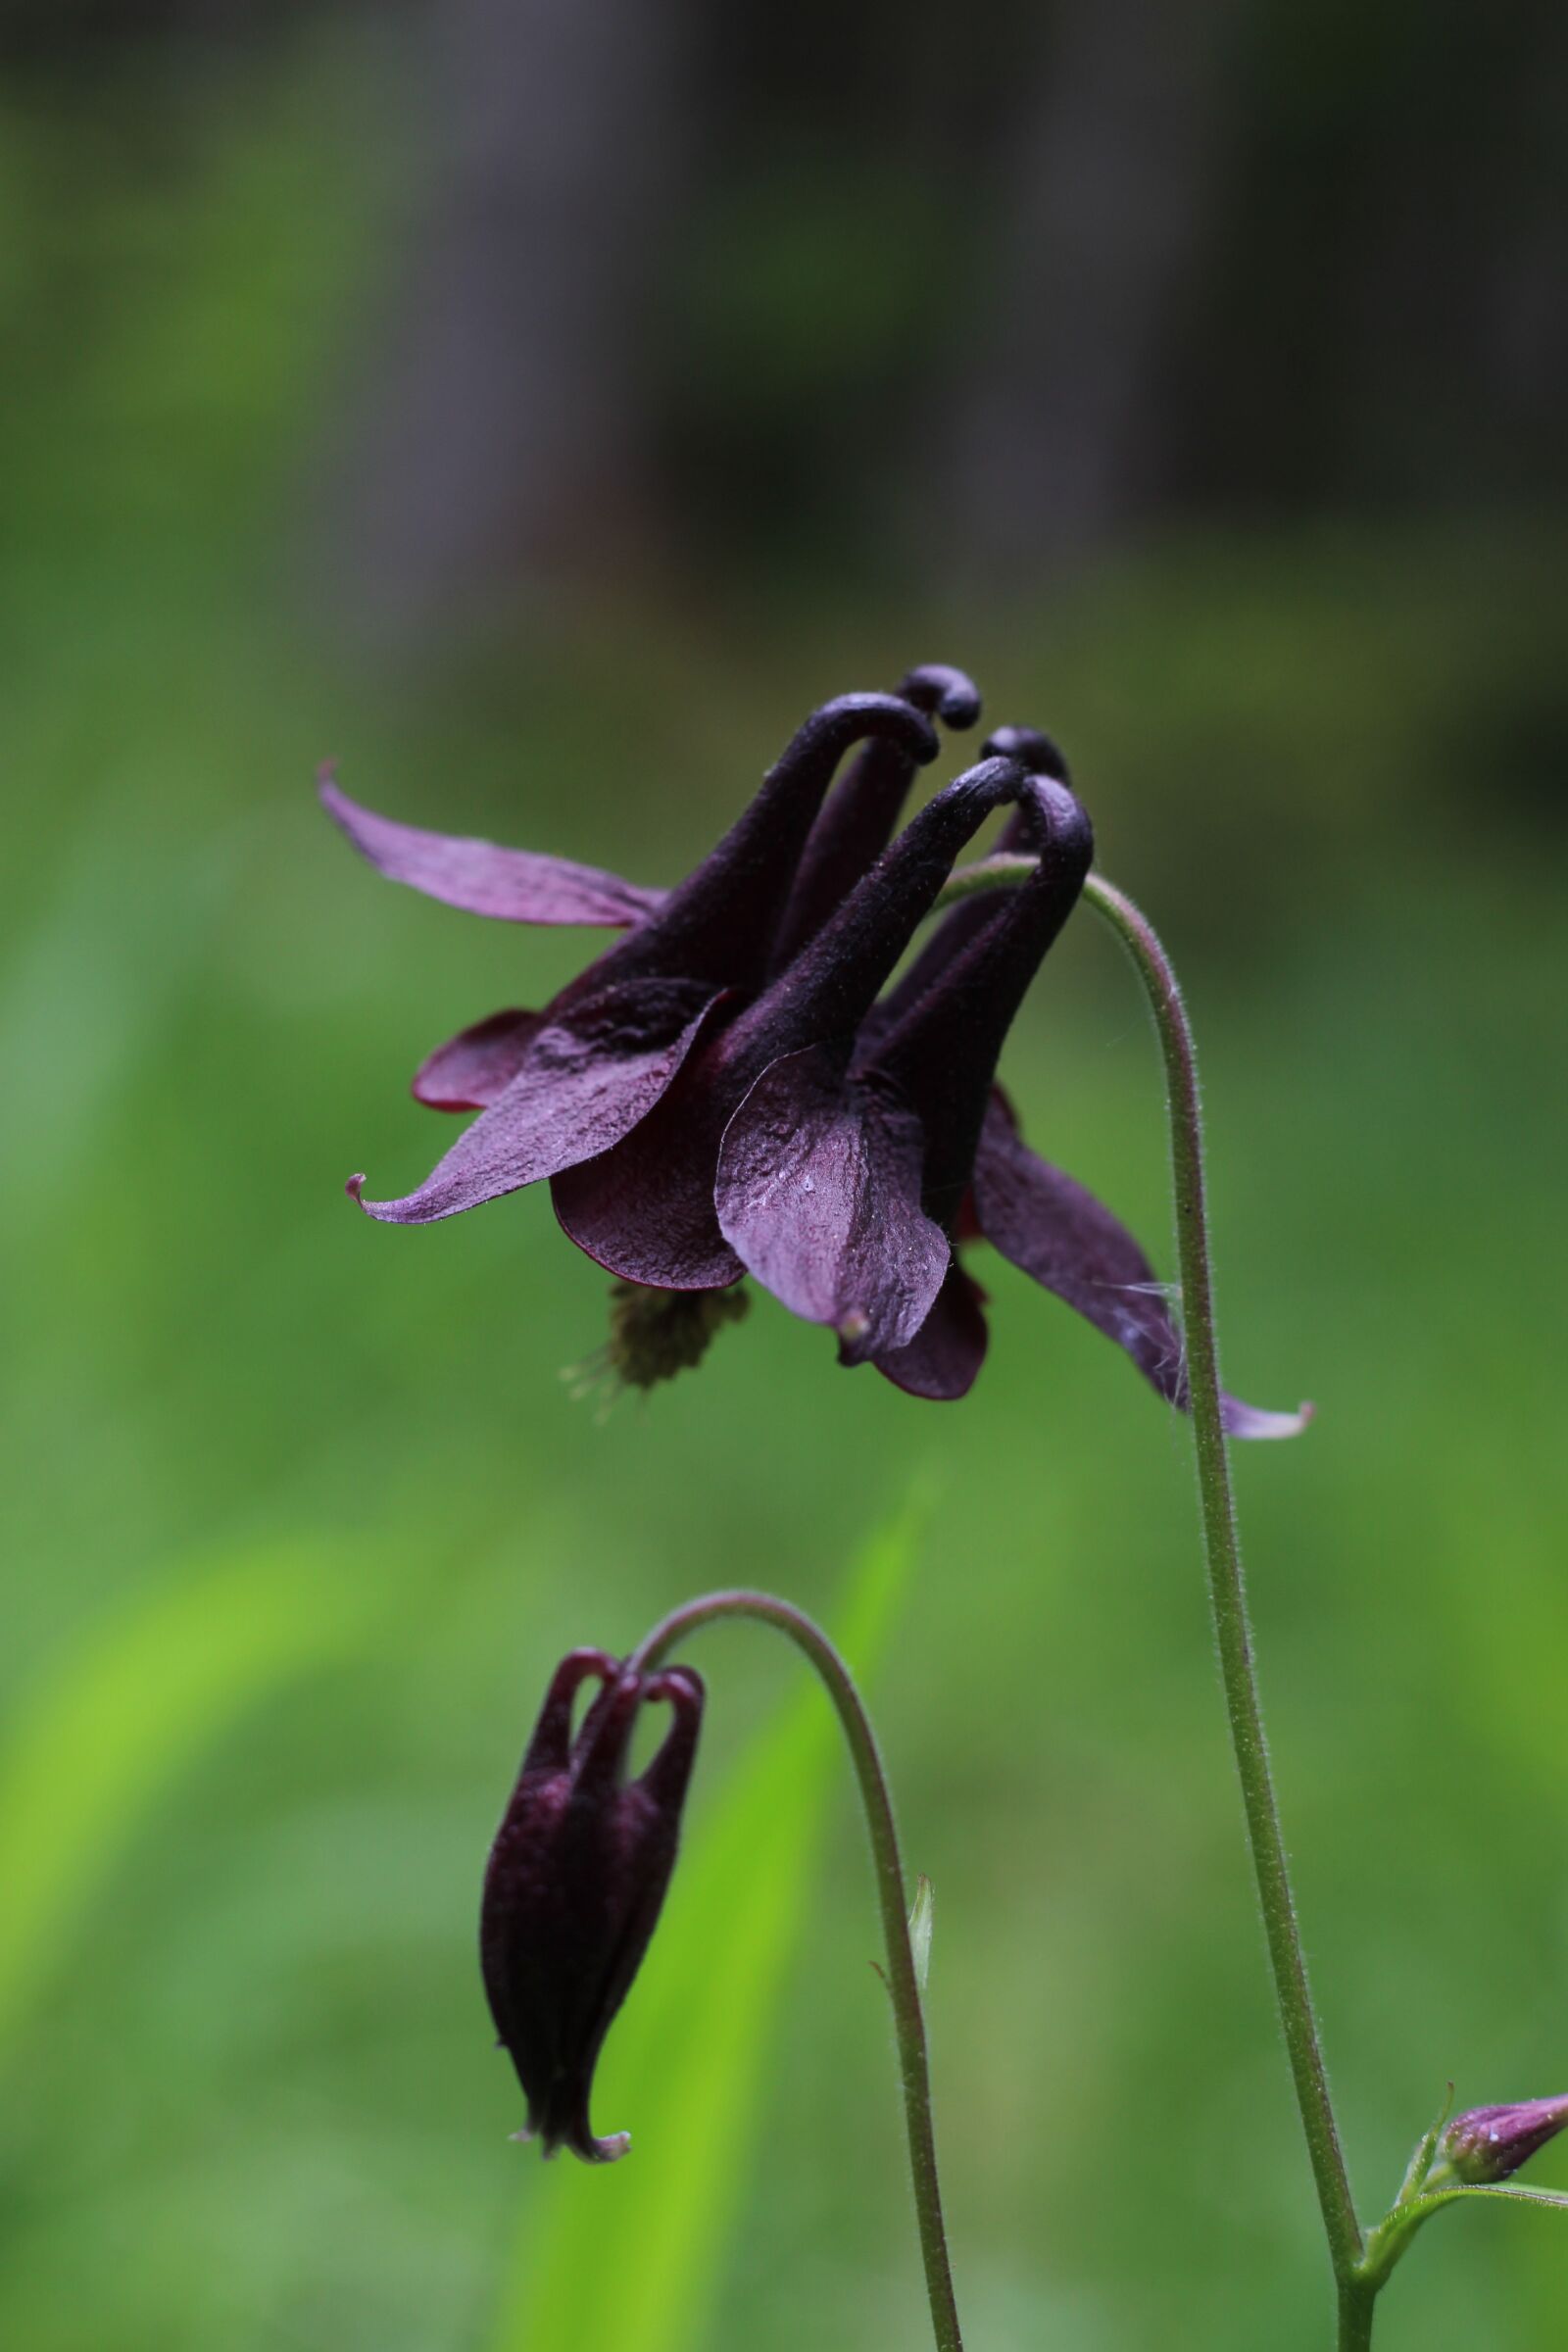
893, 1899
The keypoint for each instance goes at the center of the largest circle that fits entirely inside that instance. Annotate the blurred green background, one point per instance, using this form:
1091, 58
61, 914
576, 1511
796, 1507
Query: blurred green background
297, 1512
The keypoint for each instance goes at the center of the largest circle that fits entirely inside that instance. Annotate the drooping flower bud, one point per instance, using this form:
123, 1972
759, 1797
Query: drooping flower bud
1490, 2144
575, 1881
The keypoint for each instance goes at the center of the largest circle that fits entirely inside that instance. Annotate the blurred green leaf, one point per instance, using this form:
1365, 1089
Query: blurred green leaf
94, 1747
688, 2060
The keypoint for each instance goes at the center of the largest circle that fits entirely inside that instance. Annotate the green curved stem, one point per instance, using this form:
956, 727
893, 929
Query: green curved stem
1227, 1582
1227, 1587
902, 1983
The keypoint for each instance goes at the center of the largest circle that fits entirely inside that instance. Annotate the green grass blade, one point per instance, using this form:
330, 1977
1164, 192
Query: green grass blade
634, 2255
90, 1751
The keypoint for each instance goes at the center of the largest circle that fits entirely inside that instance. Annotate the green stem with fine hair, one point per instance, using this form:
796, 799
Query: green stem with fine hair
1227, 1583
1357, 2301
902, 1980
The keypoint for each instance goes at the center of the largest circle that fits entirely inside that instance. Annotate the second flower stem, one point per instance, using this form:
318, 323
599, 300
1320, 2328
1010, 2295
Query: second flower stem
1227, 1588
902, 1981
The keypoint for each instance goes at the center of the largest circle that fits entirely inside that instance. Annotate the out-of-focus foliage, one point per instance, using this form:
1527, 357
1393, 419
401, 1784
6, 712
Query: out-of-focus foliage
252, 2099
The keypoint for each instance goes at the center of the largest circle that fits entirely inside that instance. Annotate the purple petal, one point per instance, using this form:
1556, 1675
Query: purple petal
471, 1069
945, 1356
515, 886
941, 1054
1058, 1234
819, 1193
645, 1210
587, 1078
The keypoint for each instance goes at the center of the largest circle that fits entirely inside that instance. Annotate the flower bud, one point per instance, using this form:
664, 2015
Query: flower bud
575, 1881
1488, 2143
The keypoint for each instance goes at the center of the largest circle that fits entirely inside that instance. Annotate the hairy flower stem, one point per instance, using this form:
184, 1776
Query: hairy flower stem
1357, 2301
892, 1894
1227, 1587
1227, 1583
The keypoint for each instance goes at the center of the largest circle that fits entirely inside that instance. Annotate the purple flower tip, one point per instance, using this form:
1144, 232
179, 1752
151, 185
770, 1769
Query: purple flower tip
1486, 2144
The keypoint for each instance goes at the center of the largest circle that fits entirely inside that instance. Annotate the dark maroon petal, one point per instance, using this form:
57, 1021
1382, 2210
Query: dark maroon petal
550, 1748
1058, 1234
943, 1359
645, 1211
818, 1191
588, 1077
856, 823
942, 1053
664, 1779
632, 1828
517, 886
472, 1068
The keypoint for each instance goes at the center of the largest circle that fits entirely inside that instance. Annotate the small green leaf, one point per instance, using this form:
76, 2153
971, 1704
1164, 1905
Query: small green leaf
1438, 2197
1426, 2149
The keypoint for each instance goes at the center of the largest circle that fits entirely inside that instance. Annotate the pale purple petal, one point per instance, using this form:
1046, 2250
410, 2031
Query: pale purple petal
477, 1065
515, 886
943, 1361
819, 1193
1056, 1232
586, 1080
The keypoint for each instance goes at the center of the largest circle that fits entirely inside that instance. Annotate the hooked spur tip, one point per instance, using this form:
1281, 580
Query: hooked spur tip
355, 1188
944, 693
1039, 753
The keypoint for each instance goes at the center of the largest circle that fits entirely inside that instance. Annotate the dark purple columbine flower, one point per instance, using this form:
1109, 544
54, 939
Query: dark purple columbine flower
575, 1881
726, 1092
558, 1086
841, 1236
1490, 2144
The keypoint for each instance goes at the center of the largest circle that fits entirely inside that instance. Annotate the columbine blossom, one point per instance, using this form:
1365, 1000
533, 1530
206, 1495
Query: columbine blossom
560, 1086
575, 1883
861, 1249
729, 1090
